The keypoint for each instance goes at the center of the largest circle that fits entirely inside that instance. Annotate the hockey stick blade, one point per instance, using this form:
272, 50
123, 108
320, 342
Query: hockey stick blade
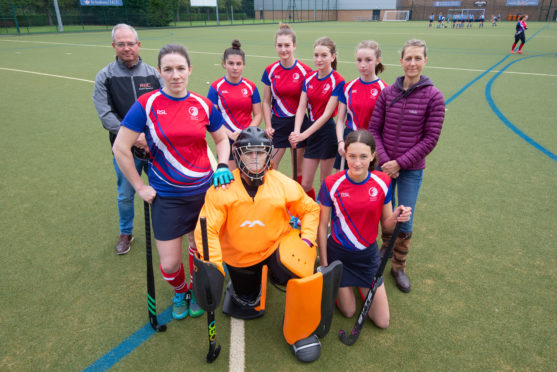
350, 339
151, 302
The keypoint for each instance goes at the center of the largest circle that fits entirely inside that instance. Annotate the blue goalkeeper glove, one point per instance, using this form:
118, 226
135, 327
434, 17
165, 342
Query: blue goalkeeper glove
222, 176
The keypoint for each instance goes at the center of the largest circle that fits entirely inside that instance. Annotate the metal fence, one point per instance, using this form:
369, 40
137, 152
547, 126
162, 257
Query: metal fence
26, 16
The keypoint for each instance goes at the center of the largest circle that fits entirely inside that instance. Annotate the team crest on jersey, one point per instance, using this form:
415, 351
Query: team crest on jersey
374, 92
245, 92
372, 193
296, 76
194, 112
326, 88
249, 223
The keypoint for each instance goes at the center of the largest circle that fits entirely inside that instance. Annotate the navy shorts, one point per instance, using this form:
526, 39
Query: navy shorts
323, 143
358, 267
347, 131
174, 217
283, 127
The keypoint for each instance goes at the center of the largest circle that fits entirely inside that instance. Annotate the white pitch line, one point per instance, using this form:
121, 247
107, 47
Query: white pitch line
274, 57
236, 357
44, 74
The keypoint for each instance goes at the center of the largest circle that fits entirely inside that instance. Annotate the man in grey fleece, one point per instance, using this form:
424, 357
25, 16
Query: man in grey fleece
117, 87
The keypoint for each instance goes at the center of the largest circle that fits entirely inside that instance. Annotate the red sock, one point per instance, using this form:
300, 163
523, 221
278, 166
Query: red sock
299, 179
177, 279
514, 45
311, 193
191, 252
521, 45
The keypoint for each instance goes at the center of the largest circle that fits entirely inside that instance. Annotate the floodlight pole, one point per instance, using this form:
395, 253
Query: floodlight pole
217, 9
58, 18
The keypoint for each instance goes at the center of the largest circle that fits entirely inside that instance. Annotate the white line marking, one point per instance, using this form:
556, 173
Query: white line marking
43, 74
236, 358
274, 57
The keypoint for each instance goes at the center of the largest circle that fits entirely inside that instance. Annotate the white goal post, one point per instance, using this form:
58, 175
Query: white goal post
396, 15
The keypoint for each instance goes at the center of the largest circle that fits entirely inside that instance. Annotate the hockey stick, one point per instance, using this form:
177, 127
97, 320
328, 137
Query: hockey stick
350, 339
214, 349
295, 163
151, 302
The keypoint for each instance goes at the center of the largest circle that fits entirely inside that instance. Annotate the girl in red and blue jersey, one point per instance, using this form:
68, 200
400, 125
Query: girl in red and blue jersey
520, 34
283, 81
236, 97
320, 93
359, 96
355, 201
175, 122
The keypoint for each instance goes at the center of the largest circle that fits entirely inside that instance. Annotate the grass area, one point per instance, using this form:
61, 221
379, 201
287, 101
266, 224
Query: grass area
483, 254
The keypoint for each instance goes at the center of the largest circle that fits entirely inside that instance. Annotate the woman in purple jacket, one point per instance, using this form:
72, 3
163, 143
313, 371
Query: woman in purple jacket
406, 124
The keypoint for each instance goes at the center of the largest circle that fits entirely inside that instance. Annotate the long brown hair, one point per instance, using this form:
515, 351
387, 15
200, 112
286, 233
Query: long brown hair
365, 137
329, 43
373, 45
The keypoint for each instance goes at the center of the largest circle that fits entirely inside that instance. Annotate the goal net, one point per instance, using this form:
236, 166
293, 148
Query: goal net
396, 15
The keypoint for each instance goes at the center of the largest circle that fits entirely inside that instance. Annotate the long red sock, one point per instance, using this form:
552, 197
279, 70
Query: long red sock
191, 252
299, 179
311, 193
514, 45
177, 279
521, 45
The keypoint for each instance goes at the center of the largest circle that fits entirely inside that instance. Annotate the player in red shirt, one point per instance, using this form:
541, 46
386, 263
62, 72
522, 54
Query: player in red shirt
320, 94
359, 199
283, 81
236, 97
358, 99
175, 122
520, 34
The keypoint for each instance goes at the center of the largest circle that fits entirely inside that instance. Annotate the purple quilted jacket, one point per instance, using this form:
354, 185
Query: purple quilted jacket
406, 124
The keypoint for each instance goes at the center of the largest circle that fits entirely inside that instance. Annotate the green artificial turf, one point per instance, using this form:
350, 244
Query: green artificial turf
482, 260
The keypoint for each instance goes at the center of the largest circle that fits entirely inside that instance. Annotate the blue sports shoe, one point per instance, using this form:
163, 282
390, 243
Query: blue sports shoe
180, 306
195, 310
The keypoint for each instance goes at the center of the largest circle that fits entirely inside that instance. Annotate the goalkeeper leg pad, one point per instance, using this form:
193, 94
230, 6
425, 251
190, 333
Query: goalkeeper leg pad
310, 303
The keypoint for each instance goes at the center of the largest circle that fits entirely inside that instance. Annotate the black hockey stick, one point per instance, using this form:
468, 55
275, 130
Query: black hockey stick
350, 339
214, 349
295, 163
151, 302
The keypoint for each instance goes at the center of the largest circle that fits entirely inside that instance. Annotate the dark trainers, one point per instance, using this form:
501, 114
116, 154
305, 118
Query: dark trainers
124, 244
402, 281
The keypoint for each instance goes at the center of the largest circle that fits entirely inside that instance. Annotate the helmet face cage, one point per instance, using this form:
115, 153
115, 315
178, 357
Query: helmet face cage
245, 159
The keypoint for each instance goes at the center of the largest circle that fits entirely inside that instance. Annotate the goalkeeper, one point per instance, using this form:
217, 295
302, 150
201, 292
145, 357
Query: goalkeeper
248, 229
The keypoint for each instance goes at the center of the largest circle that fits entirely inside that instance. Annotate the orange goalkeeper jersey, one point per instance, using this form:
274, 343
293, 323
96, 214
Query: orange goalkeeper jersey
243, 231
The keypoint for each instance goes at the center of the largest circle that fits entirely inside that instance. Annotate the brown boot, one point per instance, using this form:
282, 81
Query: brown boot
400, 252
386, 238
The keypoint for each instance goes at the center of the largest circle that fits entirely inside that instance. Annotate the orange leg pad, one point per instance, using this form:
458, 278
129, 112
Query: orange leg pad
302, 313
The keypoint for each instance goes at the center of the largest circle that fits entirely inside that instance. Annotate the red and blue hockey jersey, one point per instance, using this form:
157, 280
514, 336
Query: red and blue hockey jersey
320, 90
356, 207
175, 130
286, 86
359, 98
234, 101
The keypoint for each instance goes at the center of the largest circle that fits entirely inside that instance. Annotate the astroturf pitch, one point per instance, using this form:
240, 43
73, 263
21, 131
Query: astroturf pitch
482, 261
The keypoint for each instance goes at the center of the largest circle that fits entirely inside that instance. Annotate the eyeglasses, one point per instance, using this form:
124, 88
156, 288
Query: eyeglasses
123, 45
